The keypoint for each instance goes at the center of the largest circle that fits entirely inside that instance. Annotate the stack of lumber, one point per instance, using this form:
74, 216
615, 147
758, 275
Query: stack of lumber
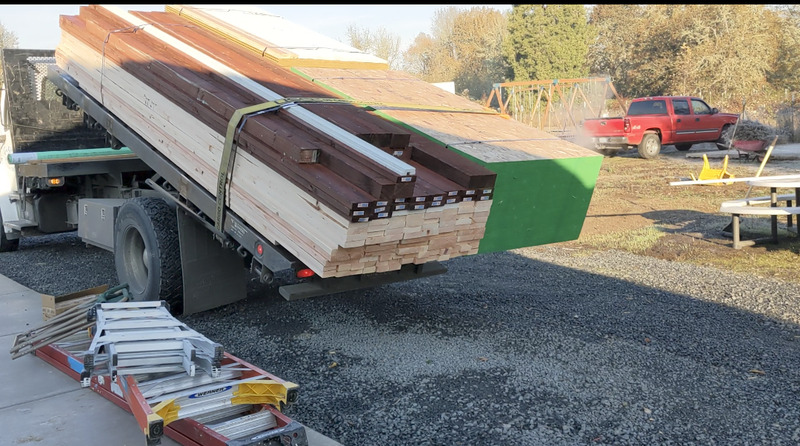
345, 190
544, 184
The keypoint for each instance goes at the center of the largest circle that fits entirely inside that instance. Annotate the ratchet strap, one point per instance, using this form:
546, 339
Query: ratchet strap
235, 125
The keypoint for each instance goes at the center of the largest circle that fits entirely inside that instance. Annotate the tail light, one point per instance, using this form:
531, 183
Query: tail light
626, 125
304, 273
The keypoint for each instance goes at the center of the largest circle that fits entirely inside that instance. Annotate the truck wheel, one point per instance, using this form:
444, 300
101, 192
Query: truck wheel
147, 252
650, 146
725, 136
683, 147
6, 245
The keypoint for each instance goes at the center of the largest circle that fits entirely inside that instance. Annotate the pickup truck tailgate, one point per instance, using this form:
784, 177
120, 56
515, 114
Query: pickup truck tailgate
604, 127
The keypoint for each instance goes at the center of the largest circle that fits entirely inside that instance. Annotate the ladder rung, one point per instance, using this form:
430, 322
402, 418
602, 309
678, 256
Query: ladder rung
152, 335
145, 324
223, 414
169, 386
149, 346
140, 370
201, 387
134, 304
147, 313
246, 425
140, 361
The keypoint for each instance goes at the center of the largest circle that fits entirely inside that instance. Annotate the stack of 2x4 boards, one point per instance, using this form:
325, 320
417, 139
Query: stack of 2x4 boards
352, 167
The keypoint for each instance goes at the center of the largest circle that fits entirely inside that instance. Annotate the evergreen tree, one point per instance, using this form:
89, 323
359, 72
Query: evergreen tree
547, 42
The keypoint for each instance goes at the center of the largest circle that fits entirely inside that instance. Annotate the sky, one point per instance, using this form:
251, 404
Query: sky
36, 26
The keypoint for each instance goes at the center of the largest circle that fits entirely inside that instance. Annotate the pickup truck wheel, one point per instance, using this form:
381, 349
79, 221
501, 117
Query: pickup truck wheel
724, 141
147, 251
683, 147
6, 245
650, 146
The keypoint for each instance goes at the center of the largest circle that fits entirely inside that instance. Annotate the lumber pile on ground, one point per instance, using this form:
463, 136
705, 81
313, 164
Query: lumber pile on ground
340, 187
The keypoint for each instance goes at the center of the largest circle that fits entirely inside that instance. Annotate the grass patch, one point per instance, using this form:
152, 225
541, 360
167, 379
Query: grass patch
765, 259
636, 241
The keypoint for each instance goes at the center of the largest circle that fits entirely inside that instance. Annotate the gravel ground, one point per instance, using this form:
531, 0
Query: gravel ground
537, 346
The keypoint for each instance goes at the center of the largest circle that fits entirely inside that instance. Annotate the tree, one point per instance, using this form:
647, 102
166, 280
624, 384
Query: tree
786, 73
547, 41
380, 43
614, 52
465, 46
418, 58
478, 35
723, 53
432, 56
726, 52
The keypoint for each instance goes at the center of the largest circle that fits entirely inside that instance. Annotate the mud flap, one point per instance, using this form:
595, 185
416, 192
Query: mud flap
212, 275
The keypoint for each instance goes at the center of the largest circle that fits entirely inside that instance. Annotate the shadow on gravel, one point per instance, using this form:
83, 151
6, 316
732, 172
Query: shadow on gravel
505, 349
712, 227
58, 264
510, 349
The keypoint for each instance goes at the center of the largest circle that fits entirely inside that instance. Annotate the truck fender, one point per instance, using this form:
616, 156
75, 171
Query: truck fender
650, 146
632, 136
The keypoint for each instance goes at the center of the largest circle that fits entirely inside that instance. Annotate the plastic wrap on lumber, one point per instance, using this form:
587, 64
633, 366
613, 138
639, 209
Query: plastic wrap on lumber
271, 36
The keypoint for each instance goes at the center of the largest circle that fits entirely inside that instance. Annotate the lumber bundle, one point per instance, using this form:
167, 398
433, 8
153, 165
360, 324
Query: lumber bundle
543, 184
343, 189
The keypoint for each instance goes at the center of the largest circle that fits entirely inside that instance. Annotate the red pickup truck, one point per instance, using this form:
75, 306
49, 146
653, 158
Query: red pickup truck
661, 120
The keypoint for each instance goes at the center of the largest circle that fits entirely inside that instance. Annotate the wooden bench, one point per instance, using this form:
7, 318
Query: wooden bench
759, 206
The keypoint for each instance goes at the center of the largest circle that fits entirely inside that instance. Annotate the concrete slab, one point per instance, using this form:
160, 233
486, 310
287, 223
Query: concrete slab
32, 379
41, 405
20, 311
9, 286
74, 416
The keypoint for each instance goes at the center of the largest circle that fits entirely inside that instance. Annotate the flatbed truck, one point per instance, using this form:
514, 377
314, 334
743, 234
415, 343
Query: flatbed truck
154, 218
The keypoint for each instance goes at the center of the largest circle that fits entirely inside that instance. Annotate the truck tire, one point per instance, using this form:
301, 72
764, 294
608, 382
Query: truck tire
683, 147
6, 245
724, 141
650, 146
147, 252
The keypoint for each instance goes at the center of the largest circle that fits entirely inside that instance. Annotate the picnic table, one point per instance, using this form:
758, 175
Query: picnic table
765, 205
